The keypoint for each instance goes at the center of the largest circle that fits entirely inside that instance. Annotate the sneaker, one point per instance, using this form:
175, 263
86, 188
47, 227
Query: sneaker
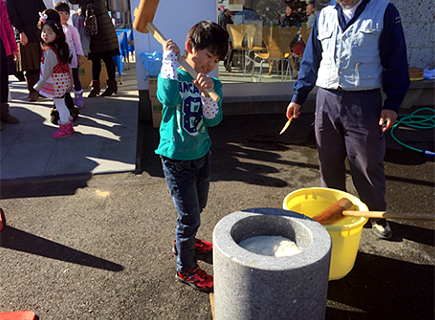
196, 278
78, 100
381, 228
201, 247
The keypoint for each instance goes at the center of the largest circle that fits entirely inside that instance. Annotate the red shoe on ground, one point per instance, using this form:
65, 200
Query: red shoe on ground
196, 278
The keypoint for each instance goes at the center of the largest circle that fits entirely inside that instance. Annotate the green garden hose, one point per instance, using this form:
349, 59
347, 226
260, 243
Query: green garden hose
414, 120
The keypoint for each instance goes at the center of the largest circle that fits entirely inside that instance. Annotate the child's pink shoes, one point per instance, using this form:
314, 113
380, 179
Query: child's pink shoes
65, 130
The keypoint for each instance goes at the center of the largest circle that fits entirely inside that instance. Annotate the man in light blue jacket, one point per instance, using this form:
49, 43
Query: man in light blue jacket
356, 48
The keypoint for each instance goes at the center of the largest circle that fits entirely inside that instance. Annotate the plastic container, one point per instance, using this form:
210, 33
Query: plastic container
345, 234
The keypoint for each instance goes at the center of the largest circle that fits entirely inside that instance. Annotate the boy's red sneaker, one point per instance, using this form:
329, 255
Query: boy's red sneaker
200, 247
196, 278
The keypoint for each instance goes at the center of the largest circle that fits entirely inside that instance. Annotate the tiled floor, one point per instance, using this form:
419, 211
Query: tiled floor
104, 139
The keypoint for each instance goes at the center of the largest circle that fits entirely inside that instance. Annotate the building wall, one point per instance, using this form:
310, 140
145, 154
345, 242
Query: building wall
49, 3
418, 19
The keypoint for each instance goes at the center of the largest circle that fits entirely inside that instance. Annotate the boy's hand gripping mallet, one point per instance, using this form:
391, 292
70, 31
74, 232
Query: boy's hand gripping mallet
144, 23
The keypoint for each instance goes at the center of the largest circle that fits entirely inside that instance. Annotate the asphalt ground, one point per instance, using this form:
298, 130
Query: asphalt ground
99, 246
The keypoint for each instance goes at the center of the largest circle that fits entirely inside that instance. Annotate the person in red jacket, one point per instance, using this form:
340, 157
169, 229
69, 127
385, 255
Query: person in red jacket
8, 47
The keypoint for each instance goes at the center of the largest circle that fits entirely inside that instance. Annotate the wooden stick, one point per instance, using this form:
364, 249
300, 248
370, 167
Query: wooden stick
287, 124
143, 23
161, 38
211, 295
340, 210
389, 215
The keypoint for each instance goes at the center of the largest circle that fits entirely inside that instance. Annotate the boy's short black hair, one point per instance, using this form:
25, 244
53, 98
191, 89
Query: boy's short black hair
209, 35
62, 6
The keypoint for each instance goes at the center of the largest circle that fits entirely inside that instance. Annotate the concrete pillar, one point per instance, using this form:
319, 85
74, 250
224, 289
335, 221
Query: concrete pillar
253, 286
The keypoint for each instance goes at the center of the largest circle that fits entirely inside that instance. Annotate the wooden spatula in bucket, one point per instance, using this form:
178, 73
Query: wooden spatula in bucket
144, 23
340, 210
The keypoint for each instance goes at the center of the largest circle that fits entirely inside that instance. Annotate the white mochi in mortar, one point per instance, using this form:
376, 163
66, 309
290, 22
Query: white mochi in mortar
270, 246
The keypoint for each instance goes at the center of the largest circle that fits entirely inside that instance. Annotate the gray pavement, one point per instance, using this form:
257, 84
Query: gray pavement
82, 245
104, 141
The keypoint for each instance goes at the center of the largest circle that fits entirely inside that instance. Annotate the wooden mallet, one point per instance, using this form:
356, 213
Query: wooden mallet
144, 23
340, 210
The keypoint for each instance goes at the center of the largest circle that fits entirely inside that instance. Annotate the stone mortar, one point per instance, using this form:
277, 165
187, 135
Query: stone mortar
253, 286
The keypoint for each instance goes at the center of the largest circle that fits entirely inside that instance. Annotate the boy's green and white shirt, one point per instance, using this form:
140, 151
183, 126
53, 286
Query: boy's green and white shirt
186, 113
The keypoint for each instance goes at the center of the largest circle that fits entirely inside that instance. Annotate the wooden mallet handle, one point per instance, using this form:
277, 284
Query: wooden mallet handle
143, 23
161, 38
340, 210
390, 215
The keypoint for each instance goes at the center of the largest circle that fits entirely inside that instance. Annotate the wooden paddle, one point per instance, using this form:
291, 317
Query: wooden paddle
340, 210
144, 23
287, 124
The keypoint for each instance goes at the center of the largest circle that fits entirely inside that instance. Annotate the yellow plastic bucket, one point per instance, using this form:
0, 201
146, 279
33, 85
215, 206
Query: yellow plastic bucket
345, 234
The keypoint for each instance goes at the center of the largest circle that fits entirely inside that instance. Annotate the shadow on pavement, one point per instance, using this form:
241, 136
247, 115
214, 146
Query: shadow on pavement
43, 187
413, 233
19, 240
406, 156
240, 145
249, 148
409, 181
405, 285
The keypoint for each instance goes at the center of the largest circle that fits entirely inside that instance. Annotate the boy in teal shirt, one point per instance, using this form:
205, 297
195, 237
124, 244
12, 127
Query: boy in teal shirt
184, 145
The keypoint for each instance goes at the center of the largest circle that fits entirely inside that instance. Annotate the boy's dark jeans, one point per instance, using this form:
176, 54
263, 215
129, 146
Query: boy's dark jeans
188, 182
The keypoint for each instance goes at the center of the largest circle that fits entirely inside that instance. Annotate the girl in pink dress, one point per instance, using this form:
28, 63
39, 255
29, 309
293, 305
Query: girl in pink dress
55, 79
72, 37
